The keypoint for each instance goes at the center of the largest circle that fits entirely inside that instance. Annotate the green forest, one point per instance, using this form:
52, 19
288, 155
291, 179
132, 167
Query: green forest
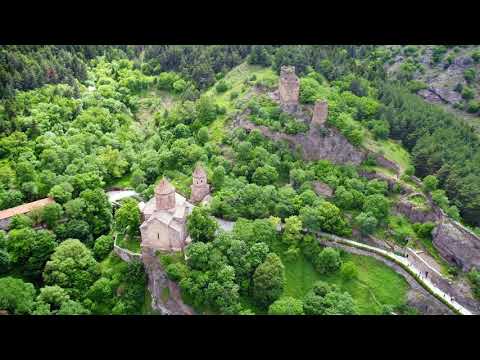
76, 121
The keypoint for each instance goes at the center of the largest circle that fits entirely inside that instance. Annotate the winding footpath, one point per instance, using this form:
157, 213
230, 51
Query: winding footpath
158, 277
400, 259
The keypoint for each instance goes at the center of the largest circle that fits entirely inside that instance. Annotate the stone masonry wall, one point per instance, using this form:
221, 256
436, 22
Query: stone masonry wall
320, 113
126, 255
289, 89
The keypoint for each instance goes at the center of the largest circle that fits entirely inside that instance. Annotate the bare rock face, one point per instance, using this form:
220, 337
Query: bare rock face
322, 189
331, 145
289, 89
457, 245
415, 213
383, 161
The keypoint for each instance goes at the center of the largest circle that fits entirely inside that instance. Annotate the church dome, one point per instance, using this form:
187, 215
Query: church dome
199, 172
164, 187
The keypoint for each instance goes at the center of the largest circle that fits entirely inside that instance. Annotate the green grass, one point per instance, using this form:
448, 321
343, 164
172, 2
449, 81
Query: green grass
427, 245
124, 182
419, 201
129, 244
390, 149
376, 283
236, 80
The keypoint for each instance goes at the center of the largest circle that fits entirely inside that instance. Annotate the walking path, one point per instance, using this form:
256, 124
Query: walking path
425, 282
114, 196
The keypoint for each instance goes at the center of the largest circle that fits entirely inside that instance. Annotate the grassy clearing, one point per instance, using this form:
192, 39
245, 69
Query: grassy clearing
376, 283
236, 80
390, 149
398, 229
419, 201
124, 182
129, 244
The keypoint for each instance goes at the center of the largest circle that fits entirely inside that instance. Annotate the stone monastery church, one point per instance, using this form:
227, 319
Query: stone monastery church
164, 216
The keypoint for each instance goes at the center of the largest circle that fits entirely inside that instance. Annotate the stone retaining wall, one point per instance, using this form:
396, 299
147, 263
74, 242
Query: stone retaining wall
126, 255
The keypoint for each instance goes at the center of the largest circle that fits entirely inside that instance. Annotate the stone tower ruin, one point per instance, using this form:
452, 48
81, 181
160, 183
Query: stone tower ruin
289, 89
320, 113
164, 195
200, 187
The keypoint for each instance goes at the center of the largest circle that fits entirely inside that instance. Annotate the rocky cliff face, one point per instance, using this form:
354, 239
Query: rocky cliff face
441, 78
457, 245
325, 144
414, 213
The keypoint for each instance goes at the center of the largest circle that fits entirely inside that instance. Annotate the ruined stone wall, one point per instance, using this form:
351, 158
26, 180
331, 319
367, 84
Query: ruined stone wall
289, 89
320, 113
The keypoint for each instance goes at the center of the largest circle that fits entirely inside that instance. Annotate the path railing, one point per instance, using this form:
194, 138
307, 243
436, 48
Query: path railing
403, 262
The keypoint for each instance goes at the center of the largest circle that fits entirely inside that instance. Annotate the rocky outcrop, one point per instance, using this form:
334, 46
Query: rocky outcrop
158, 283
456, 244
390, 181
426, 304
326, 144
384, 162
320, 113
323, 189
415, 213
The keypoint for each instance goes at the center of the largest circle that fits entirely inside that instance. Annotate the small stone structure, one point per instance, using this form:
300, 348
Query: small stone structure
164, 226
200, 187
7, 214
320, 113
289, 89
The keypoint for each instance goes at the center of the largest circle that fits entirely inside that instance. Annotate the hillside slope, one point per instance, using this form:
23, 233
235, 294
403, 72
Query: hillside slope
444, 75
